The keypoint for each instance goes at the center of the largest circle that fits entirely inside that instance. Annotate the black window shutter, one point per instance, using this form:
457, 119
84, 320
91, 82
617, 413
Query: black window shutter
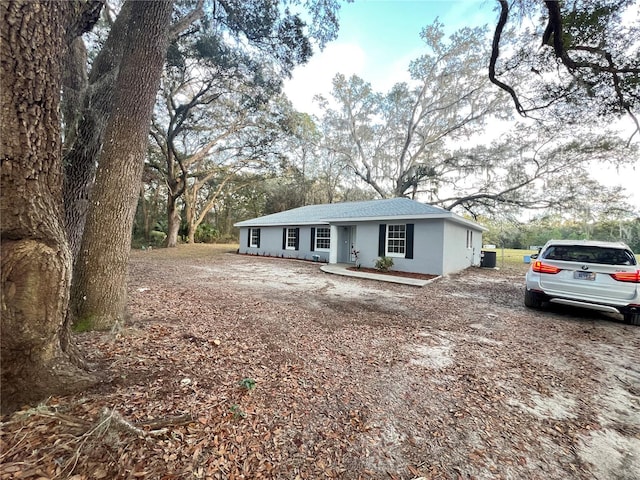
297, 239
313, 239
258, 239
382, 237
409, 241
284, 238
249, 238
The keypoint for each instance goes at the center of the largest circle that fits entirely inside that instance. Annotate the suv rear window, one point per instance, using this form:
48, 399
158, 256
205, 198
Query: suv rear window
590, 254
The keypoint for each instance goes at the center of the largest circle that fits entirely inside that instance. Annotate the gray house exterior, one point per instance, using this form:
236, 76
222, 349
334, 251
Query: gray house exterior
419, 237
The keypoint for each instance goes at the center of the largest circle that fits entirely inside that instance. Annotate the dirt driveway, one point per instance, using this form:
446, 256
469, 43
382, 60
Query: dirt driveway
355, 378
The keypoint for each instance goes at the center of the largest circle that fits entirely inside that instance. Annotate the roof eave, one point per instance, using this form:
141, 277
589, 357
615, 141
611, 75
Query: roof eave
328, 221
278, 224
427, 216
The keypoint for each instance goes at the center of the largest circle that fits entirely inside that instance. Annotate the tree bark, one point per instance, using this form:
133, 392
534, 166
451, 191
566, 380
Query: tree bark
90, 121
36, 262
74, 87
173, 221
190, 213
99, 285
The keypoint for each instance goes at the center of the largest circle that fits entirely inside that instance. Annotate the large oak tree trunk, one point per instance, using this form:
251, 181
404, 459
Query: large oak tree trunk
99, 284
36, 262
90, 113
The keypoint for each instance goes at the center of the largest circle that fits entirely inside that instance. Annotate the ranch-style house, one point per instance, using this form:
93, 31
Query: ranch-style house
420, 238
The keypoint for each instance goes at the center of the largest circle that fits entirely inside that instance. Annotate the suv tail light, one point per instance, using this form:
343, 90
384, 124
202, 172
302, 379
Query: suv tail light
633, 277
540, 267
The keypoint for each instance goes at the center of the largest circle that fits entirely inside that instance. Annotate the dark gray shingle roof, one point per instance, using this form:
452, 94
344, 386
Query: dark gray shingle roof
400, 208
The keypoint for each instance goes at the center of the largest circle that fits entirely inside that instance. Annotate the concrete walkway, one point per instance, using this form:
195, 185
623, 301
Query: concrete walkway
341, 269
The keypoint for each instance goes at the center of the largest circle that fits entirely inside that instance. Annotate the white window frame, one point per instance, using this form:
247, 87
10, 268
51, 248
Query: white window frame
401, 239
469, 238
291, 239
253, 243
326, 239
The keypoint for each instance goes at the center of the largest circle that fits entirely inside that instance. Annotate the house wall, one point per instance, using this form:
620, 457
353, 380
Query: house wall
428, 243
271, 244
439, 246
456, 255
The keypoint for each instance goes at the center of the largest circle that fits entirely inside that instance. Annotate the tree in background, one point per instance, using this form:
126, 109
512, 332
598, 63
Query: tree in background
513, 233
396, 141
433, 140
88, 98
581, 58
150, 222
299, 151
531, 167
312, 167
211, 123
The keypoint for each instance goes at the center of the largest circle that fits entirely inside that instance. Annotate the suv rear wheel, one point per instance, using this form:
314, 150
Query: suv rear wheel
532, 299
632, 317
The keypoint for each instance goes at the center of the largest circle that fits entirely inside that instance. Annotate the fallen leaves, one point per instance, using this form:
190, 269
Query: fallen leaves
248, 378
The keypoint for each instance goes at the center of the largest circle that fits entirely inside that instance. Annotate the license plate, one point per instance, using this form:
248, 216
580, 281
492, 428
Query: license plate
584, 275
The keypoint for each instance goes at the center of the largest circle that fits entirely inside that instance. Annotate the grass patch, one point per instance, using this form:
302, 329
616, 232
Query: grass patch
513, 257
83, 325
510, 257
190, 250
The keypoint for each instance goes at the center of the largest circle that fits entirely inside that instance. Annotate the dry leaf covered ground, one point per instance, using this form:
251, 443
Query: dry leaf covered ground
246, 367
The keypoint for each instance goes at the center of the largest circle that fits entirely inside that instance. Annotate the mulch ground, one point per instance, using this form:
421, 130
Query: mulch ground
239, 367
393, 273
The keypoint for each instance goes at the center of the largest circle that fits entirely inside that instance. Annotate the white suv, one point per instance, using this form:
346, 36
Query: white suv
602, 276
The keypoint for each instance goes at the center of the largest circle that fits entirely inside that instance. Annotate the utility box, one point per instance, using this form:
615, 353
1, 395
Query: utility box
487, 259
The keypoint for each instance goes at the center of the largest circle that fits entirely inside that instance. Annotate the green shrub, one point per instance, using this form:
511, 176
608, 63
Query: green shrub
205, 233
157, 238
384, 264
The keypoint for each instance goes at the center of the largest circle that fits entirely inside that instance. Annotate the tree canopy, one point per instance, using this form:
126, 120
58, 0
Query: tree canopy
579, 57
448, 138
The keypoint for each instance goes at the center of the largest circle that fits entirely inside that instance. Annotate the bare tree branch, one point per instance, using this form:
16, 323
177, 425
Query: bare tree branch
181, 25
495, 53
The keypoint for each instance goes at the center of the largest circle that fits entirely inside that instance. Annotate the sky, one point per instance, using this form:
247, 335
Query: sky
377, 40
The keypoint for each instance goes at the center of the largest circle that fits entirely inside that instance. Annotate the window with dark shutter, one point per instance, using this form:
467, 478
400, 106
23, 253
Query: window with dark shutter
323, 239
254, 237
313, 239
291, 238
396, 240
